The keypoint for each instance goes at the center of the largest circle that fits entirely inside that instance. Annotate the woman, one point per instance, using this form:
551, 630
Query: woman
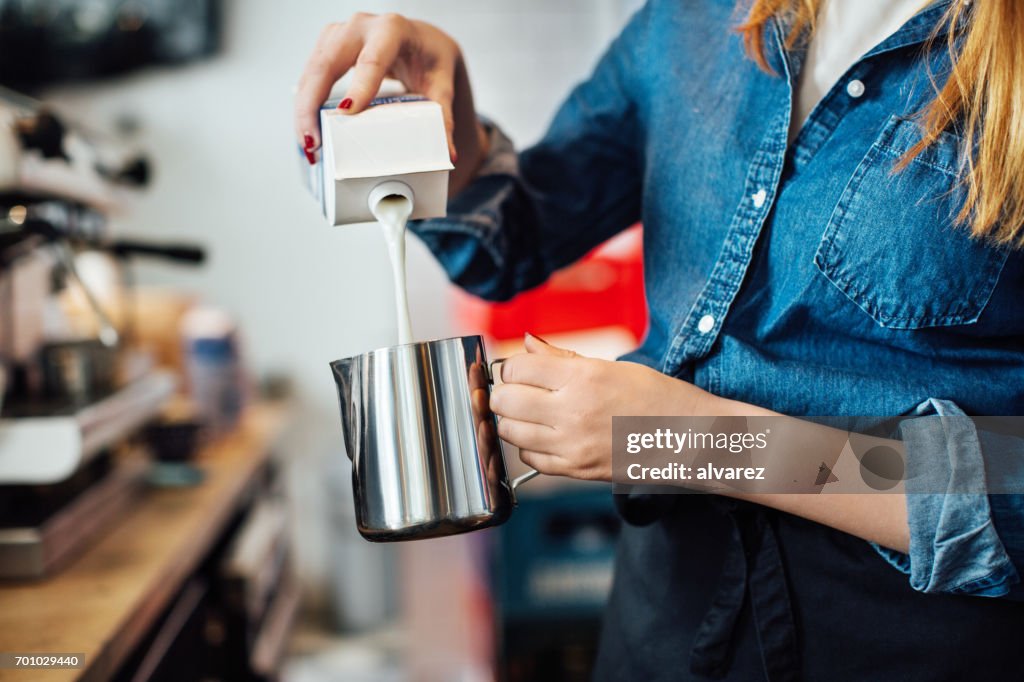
833, 204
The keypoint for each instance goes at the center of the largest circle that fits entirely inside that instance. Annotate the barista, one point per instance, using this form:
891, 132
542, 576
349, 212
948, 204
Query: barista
833, 206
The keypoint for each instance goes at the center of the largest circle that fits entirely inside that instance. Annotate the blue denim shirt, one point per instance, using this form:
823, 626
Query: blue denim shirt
807, 278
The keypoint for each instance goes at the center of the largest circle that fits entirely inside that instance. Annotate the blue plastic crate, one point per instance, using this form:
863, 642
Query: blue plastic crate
555, 555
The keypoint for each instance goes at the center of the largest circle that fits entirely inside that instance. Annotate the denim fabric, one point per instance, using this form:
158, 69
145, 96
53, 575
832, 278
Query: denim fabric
809, 278
954, 544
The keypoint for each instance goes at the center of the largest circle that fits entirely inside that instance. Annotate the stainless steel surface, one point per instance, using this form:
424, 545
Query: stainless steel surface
108, 334
426, 458
78, 371
44, 447
32, 551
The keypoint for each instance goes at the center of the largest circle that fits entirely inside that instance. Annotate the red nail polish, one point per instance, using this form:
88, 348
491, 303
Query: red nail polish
311, 157
345, 103
455, 157
307, 141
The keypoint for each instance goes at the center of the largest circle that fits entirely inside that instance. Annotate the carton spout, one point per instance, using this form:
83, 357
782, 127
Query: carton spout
391, 189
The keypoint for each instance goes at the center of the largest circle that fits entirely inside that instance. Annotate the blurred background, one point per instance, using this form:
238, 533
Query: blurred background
183, 112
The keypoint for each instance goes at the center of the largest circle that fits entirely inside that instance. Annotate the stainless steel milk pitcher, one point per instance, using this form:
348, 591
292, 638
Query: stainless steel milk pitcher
426, 457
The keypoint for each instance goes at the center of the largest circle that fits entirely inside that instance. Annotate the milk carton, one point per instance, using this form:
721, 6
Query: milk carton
397, 139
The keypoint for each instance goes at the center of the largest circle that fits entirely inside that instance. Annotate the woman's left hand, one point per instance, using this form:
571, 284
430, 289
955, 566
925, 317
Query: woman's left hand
557, 406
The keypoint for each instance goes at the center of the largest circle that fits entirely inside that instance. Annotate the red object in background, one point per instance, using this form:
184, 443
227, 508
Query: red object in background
604, 289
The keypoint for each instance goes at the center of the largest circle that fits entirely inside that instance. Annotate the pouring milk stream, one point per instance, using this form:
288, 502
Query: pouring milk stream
388, 163
426, 457
391, 204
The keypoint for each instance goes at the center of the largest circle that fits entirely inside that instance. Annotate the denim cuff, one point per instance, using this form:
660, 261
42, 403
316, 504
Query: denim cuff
954, 546
473, 226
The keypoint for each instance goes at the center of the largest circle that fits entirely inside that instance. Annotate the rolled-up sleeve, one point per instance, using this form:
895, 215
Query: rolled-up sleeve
526, 215
956, 543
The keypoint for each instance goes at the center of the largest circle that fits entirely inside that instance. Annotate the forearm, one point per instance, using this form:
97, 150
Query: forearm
928, 504
873, 516
921, 500
471, 138
878, 518
514, 218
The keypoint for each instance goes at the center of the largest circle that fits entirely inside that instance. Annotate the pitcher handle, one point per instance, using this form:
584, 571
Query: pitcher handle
532, 473
523, 478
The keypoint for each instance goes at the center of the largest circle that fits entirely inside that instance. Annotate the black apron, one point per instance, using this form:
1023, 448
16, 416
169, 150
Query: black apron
712, 589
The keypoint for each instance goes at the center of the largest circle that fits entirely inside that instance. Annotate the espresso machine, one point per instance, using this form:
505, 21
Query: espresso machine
74, 391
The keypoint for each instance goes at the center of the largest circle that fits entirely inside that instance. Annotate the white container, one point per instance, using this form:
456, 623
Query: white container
213, 366
396, 139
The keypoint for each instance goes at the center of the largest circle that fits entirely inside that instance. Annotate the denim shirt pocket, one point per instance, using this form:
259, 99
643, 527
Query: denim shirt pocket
893, 245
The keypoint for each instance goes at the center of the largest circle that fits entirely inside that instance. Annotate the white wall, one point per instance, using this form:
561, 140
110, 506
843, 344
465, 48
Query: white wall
220, 136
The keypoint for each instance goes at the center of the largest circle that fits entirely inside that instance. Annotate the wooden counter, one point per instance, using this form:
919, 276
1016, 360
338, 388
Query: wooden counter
104, 602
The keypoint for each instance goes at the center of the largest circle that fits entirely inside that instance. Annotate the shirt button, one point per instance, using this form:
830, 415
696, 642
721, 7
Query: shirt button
759, 199
706, 324
855, 88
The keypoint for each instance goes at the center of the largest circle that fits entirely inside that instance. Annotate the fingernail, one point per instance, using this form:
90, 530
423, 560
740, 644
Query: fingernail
345, 103
537, 337
307, 141
311, 157
455, 156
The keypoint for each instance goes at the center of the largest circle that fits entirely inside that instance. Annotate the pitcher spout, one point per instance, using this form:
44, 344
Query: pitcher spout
344, 379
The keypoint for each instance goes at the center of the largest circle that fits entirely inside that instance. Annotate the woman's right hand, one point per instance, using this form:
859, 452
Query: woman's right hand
423, 57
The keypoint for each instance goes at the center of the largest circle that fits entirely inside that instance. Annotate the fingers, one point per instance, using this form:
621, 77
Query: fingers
543, 371
374, 47
440, 87
526, 436
543, 462
522, 402
384, 39
336, 50
535, 344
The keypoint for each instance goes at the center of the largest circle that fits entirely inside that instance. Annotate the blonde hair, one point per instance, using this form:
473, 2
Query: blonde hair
983, 97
